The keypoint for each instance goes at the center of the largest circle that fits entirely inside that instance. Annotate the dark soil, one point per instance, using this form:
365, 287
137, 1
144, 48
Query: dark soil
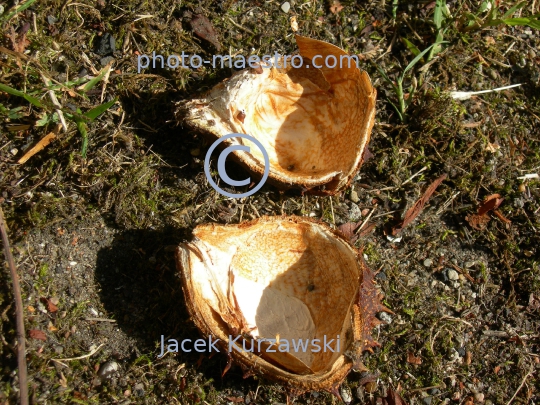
94, 236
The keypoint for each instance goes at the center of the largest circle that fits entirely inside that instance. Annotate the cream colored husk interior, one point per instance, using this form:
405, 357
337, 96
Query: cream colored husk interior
295, 281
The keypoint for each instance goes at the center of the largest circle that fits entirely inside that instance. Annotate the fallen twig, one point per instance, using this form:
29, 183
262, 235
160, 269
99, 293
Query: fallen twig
19, 315
84, 356
100, 319
519, 388
418, 206
43, 142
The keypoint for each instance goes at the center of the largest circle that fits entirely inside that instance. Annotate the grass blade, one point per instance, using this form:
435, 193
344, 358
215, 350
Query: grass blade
438, 15
22, 7
418, 57
15, 92
410, 46
518, 6
90, 85
100, 109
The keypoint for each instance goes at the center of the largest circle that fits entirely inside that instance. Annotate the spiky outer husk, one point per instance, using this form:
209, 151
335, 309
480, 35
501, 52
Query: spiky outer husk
362, 320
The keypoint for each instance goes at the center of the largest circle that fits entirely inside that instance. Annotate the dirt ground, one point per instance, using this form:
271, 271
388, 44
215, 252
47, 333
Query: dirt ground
94, 219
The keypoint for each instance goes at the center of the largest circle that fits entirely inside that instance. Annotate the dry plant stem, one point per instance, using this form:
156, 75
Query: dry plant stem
21, 344
55, 102
519, 388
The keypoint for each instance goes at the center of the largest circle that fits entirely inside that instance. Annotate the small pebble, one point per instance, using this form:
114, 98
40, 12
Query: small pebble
14, 151
427, 400
452, 274
354, 196
1, 9
51, 20
83, 72
106, 45
354, 213
346, 395
479, 397
286, 7
139, 390
104, 61
469, 264
385, 317
428, 262
107, 369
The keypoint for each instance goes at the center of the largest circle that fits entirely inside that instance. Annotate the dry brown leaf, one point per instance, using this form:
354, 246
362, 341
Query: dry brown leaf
37, 334
18, 40
336, 7
500, 215
411, 358
348, 229
393, 398
492, 147
491, 202
43, 142
51, 307
418, 206
480, 220
368, 228
203, 28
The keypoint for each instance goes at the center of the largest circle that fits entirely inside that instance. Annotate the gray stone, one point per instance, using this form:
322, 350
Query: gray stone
104, 61
107, 369
139, 389
346, 395
354, 213
427, 400
479, 397
452, 274
385, 317
428, 262
354, 197
286, 7
107, 45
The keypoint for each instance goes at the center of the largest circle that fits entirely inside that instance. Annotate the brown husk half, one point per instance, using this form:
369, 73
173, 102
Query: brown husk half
315, 123
347, 287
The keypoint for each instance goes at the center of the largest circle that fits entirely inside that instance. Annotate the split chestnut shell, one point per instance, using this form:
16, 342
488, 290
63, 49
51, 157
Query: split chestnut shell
314, 122
286, 279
